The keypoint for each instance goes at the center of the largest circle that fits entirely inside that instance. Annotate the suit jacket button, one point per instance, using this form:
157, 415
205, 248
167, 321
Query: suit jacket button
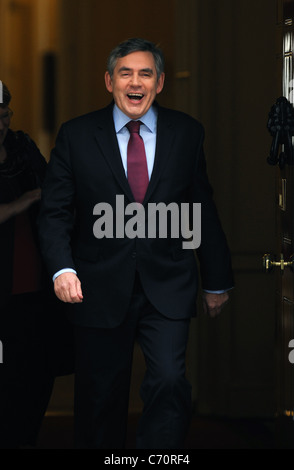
134, 254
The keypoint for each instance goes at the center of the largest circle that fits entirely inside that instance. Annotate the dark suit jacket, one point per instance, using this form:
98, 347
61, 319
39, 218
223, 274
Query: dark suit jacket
86, 169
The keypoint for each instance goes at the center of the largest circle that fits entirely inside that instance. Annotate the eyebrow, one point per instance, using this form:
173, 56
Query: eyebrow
127, 69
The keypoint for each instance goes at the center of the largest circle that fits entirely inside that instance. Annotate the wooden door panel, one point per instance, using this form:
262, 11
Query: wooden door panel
285, 242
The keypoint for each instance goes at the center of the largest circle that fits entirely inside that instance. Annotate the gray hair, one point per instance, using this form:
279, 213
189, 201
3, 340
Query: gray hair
136, 45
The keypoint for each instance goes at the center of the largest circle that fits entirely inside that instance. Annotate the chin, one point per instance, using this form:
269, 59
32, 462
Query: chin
136, 114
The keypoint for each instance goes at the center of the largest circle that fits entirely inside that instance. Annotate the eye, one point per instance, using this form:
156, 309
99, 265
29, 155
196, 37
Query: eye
146, 73
124, 73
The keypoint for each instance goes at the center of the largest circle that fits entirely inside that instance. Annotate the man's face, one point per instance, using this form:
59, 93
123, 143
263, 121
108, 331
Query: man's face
134, 83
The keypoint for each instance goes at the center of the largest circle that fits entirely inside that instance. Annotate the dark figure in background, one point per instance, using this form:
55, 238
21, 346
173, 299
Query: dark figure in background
125, 288
26, 375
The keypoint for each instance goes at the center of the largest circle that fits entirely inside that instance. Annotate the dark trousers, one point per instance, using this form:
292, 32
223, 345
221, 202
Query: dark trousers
103, 372
26, 380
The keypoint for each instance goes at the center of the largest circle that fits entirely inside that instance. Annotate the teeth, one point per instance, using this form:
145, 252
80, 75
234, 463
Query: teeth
135, 95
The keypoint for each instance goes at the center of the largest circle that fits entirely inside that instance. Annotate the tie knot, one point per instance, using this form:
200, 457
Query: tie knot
134, 126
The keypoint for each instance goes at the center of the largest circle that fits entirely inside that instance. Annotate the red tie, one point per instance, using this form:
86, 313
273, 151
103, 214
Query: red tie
137, 164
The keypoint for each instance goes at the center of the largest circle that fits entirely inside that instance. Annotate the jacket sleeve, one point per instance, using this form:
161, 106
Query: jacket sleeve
213, 253
56, 218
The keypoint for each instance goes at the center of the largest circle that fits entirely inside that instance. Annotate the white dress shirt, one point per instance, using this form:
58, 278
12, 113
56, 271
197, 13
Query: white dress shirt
147, 132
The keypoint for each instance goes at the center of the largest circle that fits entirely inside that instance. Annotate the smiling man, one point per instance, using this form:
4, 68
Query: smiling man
135, 83
124, 288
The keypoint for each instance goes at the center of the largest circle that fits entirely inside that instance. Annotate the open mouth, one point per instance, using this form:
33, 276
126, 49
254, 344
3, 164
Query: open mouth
135, 96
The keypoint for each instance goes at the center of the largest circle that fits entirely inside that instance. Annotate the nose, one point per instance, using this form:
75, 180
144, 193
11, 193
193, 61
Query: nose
136, 80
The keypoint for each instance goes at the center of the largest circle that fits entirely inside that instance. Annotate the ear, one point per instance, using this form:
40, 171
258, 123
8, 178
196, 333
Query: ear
160, 83
108, 82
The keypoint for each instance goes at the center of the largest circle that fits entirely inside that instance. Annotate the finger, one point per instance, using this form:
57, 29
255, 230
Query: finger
214, 312
68, 295
205, 308
79, 290
61, 295
66, 290
73, 299
75, 294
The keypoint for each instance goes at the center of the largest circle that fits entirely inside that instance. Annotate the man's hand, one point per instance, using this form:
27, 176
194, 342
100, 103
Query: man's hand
67, 287
213, 303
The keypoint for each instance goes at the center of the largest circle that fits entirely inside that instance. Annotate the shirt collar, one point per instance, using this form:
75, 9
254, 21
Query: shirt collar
121, 119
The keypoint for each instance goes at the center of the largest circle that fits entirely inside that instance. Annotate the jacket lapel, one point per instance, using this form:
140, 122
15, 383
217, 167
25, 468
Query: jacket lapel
106, 139
164, 143
107, 142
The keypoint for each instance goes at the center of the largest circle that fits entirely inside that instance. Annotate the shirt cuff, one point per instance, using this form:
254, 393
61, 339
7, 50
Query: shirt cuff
217, 291
65, 270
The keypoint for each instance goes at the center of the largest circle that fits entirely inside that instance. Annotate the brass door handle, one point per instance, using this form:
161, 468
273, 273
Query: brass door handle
269, 263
